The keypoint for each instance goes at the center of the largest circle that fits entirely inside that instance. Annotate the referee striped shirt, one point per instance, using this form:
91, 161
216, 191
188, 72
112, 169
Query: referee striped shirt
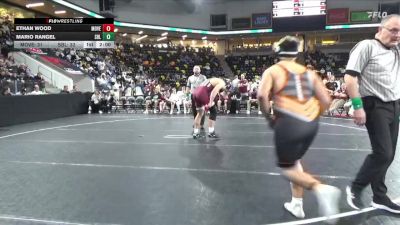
194, 81
377, 68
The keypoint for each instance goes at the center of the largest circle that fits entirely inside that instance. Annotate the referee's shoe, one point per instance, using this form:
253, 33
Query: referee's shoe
353, 198
386, 204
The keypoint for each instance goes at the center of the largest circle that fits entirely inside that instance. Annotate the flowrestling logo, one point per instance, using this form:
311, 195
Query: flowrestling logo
377, 14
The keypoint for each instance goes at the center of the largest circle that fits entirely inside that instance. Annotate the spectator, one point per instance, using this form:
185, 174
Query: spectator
22, 92
175, 99
223, 101
253, 101
339, 99
65, 90
75, 89
6, 91
243, 88
235, 83
95, 101
36, 91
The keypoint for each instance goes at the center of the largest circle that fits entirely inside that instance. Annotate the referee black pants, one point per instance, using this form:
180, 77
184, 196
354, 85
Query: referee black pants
194, 110
383, 128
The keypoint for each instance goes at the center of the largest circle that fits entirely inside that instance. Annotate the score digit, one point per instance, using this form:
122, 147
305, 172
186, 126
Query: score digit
109, 36
108, 27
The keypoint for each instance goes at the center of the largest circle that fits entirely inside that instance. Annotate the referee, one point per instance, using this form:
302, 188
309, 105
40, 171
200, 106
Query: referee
192, 83
373, 84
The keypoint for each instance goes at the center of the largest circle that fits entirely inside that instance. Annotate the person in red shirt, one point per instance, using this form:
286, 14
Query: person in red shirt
253, 100
243, 88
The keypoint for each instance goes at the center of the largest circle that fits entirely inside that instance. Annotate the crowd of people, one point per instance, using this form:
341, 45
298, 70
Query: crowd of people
18, 79
120, 67
156, 97
240, 95
134, 69
15, 79
153, 72
6, 42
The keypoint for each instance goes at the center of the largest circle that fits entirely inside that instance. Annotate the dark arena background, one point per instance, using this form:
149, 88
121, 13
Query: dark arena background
96, 117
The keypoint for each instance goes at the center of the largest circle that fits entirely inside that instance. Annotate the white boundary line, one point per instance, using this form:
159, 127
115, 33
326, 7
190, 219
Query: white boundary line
337, 118
244, 147
324, 218
178, 136
330, 124
82, 124
225, 131
255, 132
345, 126
180, 169
29, 219
146, 118
262, 118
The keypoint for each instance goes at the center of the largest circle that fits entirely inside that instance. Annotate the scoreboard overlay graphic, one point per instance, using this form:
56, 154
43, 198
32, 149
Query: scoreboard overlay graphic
64, 33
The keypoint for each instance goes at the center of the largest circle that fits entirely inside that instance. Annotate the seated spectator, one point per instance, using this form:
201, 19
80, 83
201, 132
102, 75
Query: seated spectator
163, 100
75, 89
234, 84
222, 101
36, 91
186, 100
152, 100
184, 97
339, 99
65, 90
6, 91
331, 85
102, 81
175, 99
348, 108
38, 76
233, 102
95, 101
243, 88
147, 98
128, 91
253, 101
104, 102
111, 101
139, 93
22, 92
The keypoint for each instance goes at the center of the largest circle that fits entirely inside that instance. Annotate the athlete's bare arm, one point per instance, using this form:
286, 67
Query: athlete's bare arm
218, 85
264, 91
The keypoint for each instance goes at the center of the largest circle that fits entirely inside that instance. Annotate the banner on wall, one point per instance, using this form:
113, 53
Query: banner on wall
261, 20
360, 16
338, 16
241, 23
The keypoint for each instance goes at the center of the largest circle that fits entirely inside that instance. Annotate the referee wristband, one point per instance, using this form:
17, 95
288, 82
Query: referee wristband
357, 103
